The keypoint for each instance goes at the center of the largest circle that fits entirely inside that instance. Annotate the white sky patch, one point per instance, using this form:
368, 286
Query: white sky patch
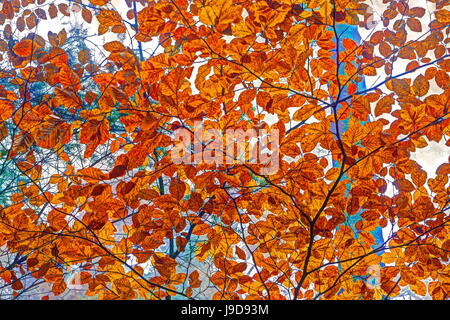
432, 156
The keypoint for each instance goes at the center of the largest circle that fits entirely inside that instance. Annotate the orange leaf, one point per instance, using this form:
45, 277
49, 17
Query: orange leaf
24, 48
419, 177
177, 188
400, 87
6, 110
57, 219
414, 24
420, 86
384, 105
59, 287
443, 16
99, 2
404, 185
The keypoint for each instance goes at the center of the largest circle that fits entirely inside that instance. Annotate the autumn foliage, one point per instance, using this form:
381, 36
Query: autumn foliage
90, 189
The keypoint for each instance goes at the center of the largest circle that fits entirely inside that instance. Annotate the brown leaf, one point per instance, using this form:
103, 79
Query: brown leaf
404, 185
52, 11
87, 15
177, 188
414, 24
419, 177
420, 86
24, 48
59, 286
118, 171
400, 87
62, 37
417, 12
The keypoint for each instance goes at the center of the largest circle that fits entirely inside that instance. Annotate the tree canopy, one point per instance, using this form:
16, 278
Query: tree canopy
90, 195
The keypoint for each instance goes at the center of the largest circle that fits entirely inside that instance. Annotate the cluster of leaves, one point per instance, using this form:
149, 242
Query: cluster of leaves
96, 189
